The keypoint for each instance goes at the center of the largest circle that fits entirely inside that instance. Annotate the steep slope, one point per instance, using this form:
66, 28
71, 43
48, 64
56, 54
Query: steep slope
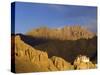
29, 59
67, 49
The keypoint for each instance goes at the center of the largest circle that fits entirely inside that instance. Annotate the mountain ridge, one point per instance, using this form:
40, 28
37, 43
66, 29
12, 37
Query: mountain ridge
65, 33
54, 46
52, 50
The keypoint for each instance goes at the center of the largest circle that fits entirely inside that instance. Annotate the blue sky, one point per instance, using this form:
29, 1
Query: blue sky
34, 15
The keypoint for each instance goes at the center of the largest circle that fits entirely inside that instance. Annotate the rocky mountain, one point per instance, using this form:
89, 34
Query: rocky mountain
45, 49
29, 59
65, 33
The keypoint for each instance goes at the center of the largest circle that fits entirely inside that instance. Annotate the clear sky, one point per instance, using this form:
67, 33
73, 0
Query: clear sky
33, 15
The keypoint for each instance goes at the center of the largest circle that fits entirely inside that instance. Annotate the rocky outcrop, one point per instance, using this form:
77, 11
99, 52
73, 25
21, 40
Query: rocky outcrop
26, 55
61, 64
66, 33
23, 50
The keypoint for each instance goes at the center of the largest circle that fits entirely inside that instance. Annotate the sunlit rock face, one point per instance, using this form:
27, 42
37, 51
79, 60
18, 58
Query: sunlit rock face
61, 64
28, 58
65, 33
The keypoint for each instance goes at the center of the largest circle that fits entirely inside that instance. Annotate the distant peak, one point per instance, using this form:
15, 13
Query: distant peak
64, 33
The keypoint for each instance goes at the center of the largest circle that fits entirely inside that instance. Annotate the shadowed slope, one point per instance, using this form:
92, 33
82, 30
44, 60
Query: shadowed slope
67, 49
29, 59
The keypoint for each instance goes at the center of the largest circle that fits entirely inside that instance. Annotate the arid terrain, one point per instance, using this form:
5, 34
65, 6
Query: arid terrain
54, 49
